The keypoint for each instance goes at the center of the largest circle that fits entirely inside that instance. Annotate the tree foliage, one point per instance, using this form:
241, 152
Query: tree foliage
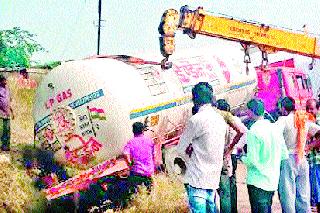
17, 47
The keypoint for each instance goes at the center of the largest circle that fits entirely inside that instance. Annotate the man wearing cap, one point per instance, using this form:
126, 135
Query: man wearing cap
202, 145
5, 111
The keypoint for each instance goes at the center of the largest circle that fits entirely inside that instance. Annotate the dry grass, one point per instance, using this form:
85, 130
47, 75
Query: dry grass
17, 193
168, 195
22, 104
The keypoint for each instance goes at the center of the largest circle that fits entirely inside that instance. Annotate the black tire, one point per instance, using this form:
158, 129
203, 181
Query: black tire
175, 165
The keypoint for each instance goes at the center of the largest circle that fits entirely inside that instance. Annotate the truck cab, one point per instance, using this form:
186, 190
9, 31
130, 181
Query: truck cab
277, 82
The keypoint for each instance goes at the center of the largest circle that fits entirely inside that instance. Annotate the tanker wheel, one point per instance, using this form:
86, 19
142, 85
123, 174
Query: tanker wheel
175, 165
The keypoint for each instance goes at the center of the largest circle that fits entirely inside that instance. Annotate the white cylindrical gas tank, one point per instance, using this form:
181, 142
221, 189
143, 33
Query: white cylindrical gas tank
84, 109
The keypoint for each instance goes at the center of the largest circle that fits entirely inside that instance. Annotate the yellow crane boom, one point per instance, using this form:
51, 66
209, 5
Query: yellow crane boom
267, 38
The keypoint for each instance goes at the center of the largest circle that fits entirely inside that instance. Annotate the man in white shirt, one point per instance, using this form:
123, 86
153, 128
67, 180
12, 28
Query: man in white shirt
294, 188
202, 146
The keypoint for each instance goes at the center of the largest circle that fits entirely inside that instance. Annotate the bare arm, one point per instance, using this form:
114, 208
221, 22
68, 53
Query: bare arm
11, 112
127, 158
315, 143
240, 129
313, 131
186, 139
126, 154
236, 139
10, 107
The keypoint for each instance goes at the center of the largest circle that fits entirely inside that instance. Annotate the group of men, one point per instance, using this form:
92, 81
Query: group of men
276, 155
275, 158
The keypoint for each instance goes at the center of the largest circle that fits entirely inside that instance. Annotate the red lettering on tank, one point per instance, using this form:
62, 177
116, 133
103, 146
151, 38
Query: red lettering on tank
84, 153
181, 74
49, 103
60, 97
69, 93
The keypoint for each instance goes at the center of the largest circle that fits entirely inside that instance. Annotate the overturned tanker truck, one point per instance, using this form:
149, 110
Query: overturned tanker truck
84, 109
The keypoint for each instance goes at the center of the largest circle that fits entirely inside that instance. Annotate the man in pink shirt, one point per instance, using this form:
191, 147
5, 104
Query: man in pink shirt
139, 152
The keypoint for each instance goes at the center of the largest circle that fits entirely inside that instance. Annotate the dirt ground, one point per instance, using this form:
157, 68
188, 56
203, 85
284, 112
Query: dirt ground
243, 198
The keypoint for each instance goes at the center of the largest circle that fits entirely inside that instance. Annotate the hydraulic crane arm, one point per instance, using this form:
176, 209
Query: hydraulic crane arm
267, 38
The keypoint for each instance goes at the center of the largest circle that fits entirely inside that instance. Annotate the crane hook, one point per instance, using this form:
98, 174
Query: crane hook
265, 61
165, 64
246, 58
311, 65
